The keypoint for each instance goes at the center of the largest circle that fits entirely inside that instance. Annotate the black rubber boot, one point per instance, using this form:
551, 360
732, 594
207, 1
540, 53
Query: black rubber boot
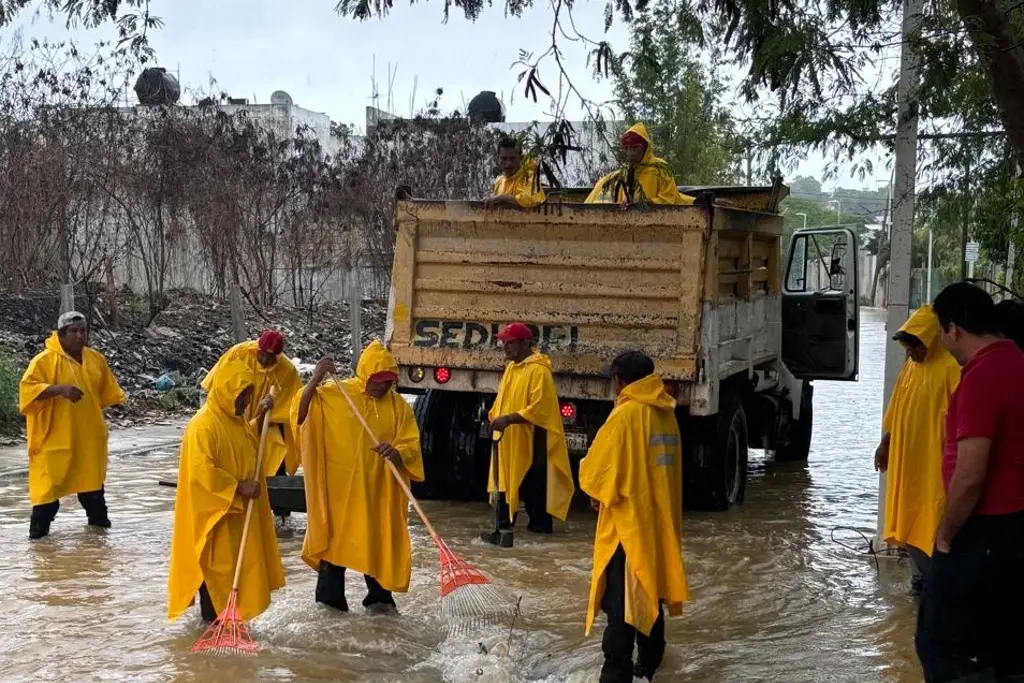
502, 538
37, 529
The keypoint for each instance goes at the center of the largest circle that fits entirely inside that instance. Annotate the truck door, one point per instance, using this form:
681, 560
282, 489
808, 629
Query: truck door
820, 310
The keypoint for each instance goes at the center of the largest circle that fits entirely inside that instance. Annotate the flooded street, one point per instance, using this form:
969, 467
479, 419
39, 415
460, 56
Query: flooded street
774, 596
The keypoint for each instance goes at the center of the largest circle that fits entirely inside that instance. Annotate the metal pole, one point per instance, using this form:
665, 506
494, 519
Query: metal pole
905, 174
928, 295
67, 298
237, 319
355, 307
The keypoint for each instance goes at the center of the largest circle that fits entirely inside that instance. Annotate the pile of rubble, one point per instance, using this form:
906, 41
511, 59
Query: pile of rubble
160, 365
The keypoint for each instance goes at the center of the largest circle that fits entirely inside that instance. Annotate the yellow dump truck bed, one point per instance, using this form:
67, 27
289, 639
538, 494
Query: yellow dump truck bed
592, 280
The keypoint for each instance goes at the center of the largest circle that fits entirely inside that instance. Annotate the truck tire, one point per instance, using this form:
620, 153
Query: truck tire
449, 425
796, 447
715, 457
434, 411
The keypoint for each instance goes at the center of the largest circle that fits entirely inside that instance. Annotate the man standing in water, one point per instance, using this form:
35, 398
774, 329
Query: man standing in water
969, 625
216, 478
911, 447
633, 475
532, 455
517, 185
357, 513
272, 369
62, 396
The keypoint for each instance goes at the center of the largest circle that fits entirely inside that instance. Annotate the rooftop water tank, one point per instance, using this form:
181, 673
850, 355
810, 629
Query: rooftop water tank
281, 97
155, 86
486, 107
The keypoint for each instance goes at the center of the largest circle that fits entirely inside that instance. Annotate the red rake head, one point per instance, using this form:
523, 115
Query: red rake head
228, 634
456, 572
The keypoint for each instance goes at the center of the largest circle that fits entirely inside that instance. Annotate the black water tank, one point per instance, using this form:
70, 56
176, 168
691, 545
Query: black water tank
156, 86
486, 107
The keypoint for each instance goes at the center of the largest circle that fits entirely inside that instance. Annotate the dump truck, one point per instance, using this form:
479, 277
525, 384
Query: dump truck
737, 330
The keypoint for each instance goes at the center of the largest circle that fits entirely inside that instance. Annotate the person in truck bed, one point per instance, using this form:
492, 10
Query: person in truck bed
533, 459
517, 185
644, 178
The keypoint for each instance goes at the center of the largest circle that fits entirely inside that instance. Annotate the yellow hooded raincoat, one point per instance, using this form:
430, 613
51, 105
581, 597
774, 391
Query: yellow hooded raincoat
654, 180
915, 420
634, 470
67, 442
528, 388
522, 185
357, 513
218, 450
281, 446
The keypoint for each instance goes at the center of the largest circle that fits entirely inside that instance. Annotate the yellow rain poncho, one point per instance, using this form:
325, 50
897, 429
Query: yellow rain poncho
281, 446
528, 388
634, 470
915, 421
654, 182
357, 513
67, 442
218, 450
523, 185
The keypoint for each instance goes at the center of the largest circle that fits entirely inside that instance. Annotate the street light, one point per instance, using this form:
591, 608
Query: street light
805, 219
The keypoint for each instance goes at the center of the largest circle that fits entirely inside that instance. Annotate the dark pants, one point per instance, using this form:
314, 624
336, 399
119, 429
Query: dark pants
94, 502
619, 637
206, 608
330, 588
919, 562
970, 625
282, 472
534, 490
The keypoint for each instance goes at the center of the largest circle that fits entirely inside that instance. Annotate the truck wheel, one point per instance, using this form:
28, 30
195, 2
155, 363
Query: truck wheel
715, 457
469, 457
796, 447
434, 411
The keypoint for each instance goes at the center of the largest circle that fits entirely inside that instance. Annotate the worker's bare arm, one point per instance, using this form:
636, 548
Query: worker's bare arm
71, 393
324, 367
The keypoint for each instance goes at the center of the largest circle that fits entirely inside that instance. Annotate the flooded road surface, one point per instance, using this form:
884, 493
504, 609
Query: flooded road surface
774, 597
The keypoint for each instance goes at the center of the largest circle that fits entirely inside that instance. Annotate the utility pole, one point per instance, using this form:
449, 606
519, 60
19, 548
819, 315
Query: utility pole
237, 319
904, 178
931, 241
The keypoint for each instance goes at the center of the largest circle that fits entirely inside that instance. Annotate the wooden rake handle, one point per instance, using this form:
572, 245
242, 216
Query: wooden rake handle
248, 505
391, 465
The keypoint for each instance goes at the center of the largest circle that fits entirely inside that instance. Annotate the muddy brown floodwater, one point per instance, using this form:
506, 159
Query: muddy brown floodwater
774, 597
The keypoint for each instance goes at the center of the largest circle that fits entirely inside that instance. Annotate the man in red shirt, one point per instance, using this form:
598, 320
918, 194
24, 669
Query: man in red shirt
971, 621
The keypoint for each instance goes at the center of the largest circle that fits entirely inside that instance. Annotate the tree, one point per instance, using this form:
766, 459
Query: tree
678, 98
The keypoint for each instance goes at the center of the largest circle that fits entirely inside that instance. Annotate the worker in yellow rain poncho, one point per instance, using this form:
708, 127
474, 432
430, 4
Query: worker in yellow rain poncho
517, 185
273, 369
357, 513
62, 396
912, 441
532, 455
644, 178
633, 475
216, 477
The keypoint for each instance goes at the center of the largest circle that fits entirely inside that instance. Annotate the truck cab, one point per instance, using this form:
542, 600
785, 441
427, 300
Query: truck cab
737, 331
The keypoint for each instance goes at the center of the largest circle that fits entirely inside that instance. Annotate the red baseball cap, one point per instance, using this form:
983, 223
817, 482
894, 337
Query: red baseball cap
271, 341
515, 332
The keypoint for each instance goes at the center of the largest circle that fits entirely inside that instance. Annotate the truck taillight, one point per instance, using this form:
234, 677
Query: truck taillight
442, 375
568, 411
417, 374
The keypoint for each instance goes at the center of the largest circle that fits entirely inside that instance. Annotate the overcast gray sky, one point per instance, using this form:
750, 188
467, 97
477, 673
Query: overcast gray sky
326, 62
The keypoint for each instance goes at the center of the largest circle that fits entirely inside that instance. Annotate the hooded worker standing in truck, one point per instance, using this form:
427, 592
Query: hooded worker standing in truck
517, 184
633, 475
644, 178
271, 369
533, 459
357, 513
62, 396
216, 478
912, 441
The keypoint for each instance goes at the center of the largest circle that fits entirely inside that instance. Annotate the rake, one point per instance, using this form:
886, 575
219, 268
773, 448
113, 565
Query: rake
468, 598
229, 634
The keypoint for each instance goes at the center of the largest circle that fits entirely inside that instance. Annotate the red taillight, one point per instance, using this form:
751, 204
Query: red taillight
442, 375
568, 411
